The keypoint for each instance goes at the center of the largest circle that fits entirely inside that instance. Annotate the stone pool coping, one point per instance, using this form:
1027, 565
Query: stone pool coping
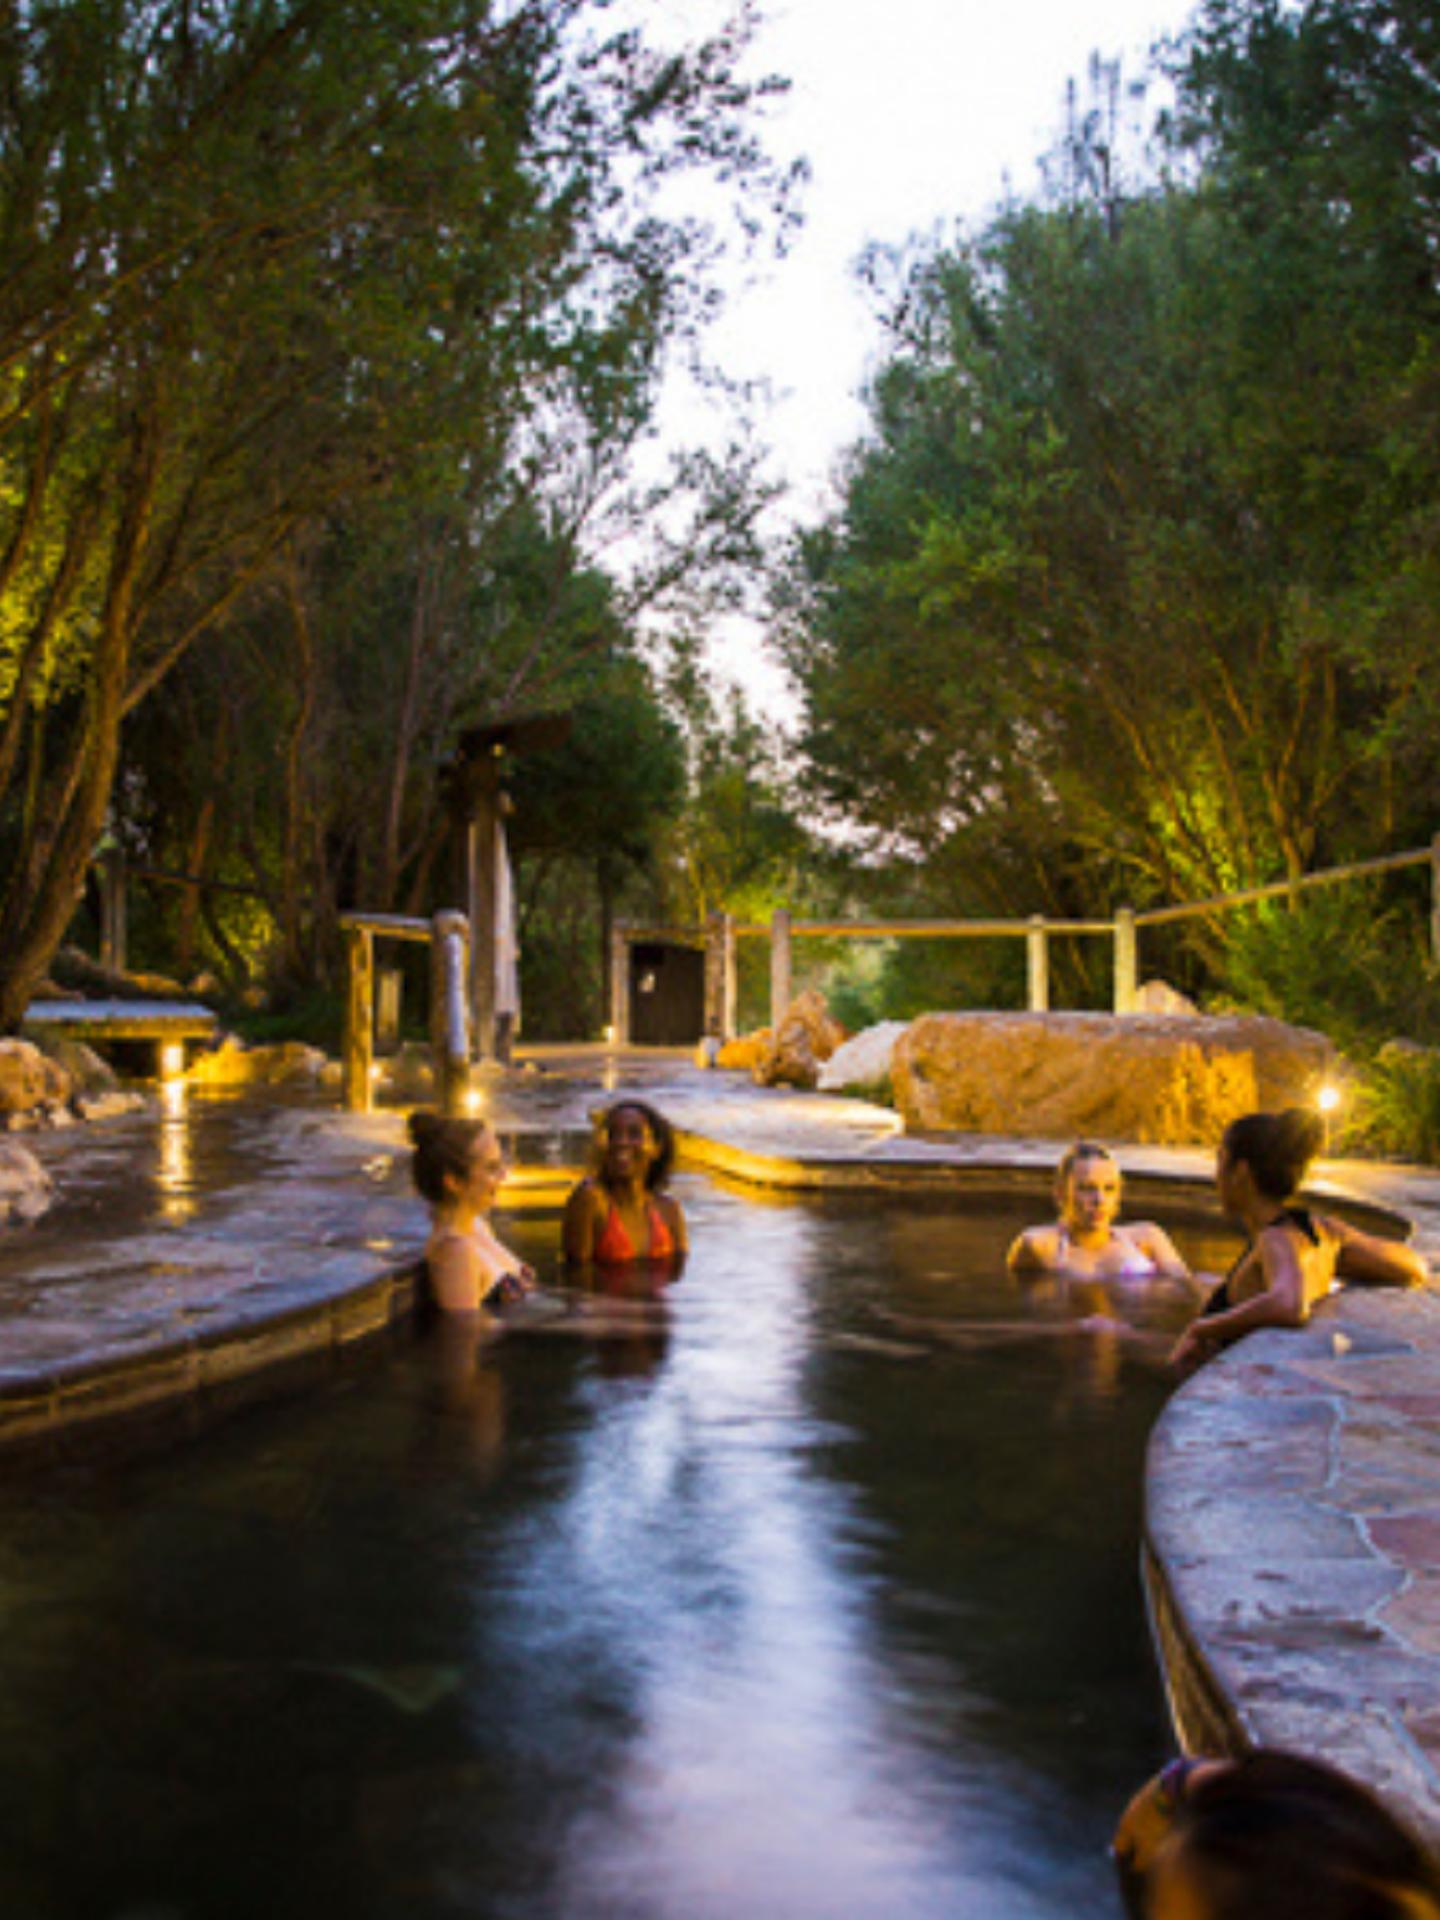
1292, 1549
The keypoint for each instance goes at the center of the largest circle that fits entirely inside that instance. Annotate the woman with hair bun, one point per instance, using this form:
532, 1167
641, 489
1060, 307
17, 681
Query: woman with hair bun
459, 1167
1295, 1256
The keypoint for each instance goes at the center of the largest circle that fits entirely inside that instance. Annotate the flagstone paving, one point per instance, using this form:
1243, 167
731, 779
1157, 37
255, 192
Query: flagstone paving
1293, 1486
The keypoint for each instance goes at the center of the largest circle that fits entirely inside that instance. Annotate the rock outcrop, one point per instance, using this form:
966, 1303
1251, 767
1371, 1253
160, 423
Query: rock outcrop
29, 1080
233, 1064
864, 1060
806, 1037
1176, 1080
25, 1187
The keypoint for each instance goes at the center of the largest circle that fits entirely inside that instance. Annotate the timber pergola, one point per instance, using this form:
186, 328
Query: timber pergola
722, 931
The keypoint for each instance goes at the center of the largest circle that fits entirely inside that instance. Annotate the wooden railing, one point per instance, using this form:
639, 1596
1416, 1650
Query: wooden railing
721, 933
448, 935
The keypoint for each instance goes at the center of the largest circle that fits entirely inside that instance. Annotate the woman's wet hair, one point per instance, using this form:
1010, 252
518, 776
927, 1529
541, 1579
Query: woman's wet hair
1277, 1148
1276, 1834
662, 1135
444, 1146
1073, 1156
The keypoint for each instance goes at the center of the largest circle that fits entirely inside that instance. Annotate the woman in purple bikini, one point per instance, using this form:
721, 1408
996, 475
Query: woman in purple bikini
1085, 1243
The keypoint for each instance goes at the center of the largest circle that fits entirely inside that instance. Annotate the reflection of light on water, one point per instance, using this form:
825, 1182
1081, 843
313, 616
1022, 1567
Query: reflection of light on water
177, 1157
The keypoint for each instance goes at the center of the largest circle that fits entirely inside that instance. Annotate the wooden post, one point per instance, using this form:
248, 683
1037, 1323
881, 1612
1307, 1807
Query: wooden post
110, 875
780, 967
619, 985
359, 993
1126, 960
1037, 950
720, 977
484, 836
449, 1027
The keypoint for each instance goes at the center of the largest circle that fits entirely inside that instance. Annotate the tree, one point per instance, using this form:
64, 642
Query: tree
264, 262
1085, 626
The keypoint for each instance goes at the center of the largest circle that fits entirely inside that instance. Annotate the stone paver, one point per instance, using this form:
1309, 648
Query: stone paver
1293, 1499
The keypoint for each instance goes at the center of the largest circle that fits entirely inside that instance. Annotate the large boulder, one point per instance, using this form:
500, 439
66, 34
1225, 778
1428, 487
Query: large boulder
806, 1037
29, 1080
864, 1060
1174, 1080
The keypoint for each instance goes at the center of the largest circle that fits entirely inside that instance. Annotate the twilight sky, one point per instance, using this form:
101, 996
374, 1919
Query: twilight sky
911, 113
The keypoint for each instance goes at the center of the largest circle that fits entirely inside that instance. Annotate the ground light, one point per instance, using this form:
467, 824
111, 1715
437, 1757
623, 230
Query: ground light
1327, 1101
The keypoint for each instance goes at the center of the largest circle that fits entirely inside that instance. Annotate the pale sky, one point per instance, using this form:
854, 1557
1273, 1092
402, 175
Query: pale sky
911, 112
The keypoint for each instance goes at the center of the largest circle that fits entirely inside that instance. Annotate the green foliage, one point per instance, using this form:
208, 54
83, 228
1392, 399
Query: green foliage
268, 268
1130, 590
1396, 1109
1343, 960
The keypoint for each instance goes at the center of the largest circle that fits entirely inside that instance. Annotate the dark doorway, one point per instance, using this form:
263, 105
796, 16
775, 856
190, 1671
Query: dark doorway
667, 994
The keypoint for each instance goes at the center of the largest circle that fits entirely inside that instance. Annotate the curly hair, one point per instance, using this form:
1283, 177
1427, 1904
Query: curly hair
661, 1131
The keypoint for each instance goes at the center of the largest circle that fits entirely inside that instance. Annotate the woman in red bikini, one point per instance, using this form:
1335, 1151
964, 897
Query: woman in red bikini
620, 1216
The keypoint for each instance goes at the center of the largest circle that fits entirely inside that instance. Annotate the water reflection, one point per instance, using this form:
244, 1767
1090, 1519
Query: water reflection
779, 1625
175, 1175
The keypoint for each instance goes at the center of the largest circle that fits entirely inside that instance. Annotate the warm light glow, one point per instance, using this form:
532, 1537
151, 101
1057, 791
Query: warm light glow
609, 1034
172, 1059
474, 1099
1328, 1098
176, 1172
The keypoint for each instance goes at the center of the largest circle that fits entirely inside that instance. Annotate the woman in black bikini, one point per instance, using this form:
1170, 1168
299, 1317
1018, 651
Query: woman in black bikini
459, 1168
1294, 1256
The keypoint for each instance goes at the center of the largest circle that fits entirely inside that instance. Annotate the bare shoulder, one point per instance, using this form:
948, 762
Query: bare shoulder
457, 1272
1152, 1238
1035, 1247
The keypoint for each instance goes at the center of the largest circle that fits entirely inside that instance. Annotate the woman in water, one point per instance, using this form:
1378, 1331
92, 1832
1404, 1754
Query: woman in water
458, 1167
1294, 1256
1085, 1243
1268, 1833
620, 1214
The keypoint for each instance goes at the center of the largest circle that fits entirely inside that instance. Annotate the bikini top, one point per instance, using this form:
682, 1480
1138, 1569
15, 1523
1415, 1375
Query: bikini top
614, 1247
1298, 1217
1137, 1264
502, 1287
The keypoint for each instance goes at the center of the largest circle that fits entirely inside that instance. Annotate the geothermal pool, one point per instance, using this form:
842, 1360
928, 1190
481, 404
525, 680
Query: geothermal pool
776, 1612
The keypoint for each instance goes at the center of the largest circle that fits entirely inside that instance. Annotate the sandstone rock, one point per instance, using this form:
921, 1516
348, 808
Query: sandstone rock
805, 1038
864, 1060
1144, 1078
26, 1189
1158, 996
747, 1051
28, 1079
88, 1072
410, 1069
232, 1064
